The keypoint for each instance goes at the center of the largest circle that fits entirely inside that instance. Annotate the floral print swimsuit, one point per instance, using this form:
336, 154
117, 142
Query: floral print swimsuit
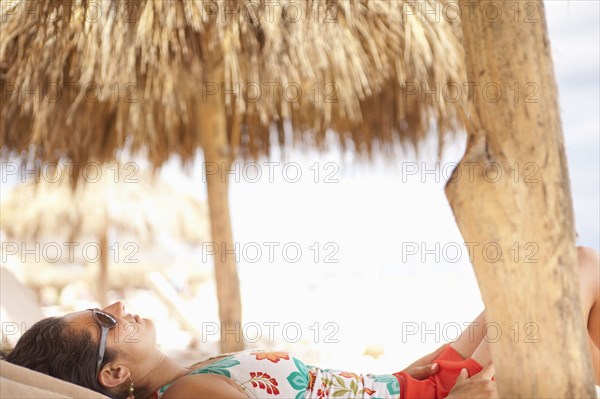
264, 374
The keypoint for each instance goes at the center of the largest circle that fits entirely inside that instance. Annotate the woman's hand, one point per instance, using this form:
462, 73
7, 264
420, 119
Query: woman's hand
479, 386
423, 367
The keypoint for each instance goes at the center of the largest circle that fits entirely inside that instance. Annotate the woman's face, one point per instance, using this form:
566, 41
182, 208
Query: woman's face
135, 337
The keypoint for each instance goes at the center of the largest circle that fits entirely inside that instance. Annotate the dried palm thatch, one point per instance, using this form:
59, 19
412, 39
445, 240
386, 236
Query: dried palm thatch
83, 79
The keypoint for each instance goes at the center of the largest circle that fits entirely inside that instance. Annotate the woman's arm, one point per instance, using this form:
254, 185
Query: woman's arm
209, 386
479, 386
423, 368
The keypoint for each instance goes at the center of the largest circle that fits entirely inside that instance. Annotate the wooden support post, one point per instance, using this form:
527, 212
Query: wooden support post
511, 198
217, 156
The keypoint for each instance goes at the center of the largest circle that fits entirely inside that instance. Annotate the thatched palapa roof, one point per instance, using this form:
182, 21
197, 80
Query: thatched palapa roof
116, 74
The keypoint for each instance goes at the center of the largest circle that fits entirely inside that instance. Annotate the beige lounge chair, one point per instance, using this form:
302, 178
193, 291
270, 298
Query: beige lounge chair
19, 382
19, 310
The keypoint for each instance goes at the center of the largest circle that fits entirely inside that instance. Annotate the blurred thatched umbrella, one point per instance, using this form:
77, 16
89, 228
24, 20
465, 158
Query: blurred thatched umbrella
119, 199
154, 75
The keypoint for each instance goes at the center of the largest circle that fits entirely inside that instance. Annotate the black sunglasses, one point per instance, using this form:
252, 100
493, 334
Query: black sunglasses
106, 322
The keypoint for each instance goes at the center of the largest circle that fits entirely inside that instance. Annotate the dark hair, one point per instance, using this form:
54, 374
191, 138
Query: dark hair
51, 348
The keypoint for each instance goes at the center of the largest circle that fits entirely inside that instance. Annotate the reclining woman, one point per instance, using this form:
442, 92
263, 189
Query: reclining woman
121, 365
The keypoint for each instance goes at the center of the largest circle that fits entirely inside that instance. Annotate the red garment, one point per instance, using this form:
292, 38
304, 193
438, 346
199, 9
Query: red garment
438, 385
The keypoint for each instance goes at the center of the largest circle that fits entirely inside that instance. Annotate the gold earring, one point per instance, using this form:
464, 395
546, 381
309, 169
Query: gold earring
130, 396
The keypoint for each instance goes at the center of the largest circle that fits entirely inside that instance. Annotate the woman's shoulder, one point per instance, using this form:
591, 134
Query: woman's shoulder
210, 386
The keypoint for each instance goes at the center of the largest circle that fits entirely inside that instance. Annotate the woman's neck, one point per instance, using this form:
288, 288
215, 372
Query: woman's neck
165, 371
